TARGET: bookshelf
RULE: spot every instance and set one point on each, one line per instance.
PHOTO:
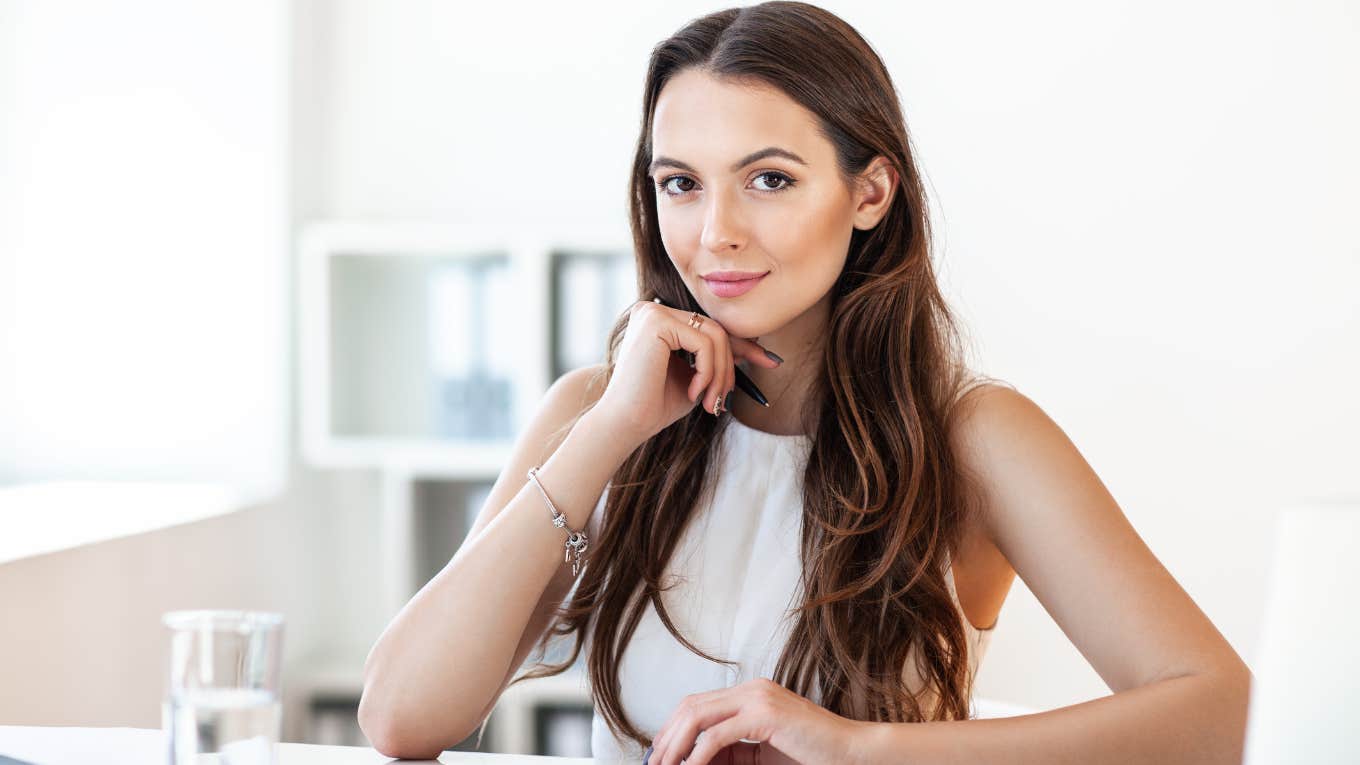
(423, 350)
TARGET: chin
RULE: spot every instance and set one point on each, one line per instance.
(743, 321)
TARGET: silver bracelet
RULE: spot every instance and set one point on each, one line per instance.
(576, 540)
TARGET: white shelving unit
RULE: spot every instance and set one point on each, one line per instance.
(393, 316)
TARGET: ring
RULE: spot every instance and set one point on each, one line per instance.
(695, 320)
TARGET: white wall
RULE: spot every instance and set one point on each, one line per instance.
(1143, 214)
(143, 238)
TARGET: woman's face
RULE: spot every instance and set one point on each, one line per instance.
(747, 183)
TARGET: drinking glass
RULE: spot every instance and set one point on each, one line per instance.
(222, 699)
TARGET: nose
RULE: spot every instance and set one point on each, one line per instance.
(723, 227)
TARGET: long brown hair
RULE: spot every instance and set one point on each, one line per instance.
(884, 500)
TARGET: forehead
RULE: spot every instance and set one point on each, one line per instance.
(699, 118)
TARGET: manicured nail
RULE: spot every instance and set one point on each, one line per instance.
(774, 356)
(647, 756)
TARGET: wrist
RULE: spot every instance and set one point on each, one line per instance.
(866, 742)
(616, 438)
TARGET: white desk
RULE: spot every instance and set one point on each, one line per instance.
(57, 745)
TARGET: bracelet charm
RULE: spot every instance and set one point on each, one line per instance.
(576, 540)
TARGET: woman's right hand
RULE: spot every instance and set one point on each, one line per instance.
(652, 386)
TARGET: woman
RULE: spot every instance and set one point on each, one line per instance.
(817, 573)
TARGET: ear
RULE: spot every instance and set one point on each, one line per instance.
(876, 186)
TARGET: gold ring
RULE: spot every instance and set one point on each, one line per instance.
(695, 320)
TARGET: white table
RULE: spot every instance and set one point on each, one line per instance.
(56, 745)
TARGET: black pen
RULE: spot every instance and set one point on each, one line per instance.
(749, 388)
(744, 383)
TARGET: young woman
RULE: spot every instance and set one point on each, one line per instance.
(819, 575)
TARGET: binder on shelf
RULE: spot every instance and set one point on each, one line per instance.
(422, 345)
(590, 291)
(471, 349)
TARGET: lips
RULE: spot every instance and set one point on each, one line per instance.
(731, 276)
(727, 284)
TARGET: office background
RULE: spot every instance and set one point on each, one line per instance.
(1144, 212)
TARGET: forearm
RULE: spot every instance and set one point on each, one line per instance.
(1195, 719)
(442, 658)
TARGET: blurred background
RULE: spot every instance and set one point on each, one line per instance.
(280, 280)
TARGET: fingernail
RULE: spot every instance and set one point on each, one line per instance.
(774, 356)
(647, 756)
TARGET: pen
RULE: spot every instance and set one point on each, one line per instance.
(744, 383)
(749, 388)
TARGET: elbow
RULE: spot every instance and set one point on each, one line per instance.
(396, 735)
(377, 726)
(400, 751)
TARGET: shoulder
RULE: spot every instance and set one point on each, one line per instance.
(987, 412)
(577, 389)
(997, 429)
(1017, 455)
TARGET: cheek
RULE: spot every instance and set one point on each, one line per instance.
(812, 245)
(677, 240)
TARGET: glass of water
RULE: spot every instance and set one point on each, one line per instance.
(222, 700)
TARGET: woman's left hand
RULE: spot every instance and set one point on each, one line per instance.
(757, 710)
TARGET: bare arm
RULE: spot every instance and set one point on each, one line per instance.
(442, 663)
(1180, 689)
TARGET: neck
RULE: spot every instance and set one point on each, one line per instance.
(786, 387)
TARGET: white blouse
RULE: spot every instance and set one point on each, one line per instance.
(739, 567)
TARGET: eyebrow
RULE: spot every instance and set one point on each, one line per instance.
(755, 156)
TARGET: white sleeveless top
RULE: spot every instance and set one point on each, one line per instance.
(738, 560)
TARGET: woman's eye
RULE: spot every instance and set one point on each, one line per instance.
(665, 185)
(780, 178)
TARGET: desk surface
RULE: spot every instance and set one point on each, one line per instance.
(56, 745)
